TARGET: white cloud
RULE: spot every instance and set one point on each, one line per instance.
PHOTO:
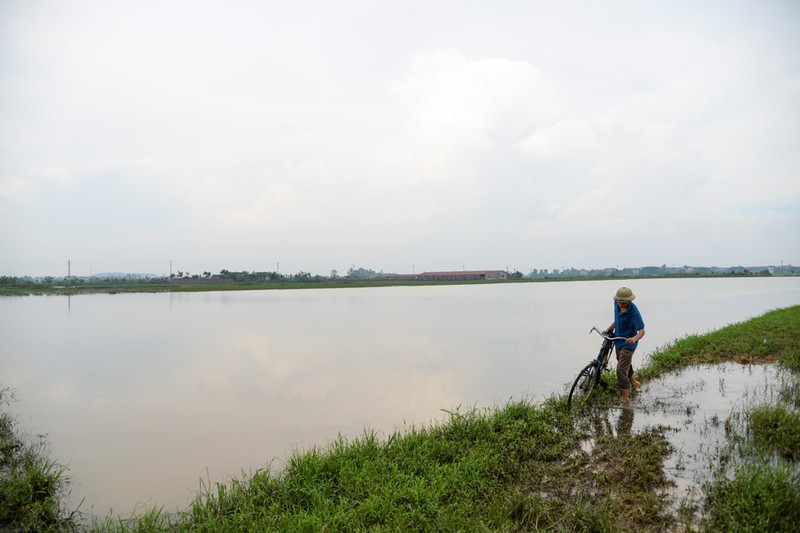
(567, 138)
(453, 103)
(16, 187)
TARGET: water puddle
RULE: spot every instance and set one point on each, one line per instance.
(695, 405)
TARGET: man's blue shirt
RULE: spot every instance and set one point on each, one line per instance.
(626, 324)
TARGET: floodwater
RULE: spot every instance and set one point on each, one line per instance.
(693, 405)
(144, 395)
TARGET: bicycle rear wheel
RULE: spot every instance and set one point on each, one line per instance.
(584, 384)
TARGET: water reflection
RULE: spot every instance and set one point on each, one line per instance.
(144, 394)
(625, 423)
(694, 404)
(608, 424)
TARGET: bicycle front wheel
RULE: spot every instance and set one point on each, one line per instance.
(584, 384)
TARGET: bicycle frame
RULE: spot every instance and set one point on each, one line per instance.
(605, 348)
(589, 376)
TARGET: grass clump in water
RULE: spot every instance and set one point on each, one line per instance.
(31, 485)
(760, 497)
(776, 429)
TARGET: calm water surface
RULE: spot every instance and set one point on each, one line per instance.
(142, 395)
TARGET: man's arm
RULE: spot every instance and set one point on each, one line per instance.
(635, 338)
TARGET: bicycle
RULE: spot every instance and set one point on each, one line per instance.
(589, 377)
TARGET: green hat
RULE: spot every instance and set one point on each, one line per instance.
(624, 294)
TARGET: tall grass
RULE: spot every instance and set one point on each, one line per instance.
(31, 485)
(453, 476)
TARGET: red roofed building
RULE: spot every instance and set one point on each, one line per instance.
(461, 275)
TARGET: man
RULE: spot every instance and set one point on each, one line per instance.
(627, 323)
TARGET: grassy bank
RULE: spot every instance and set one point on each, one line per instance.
(526, 467)
(772, 337)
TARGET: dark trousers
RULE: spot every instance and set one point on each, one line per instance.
(624, 367)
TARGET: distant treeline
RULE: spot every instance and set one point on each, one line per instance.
(26, 281)
(226, 277)
(666, 271)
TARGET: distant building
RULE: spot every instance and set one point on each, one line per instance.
(213, 280)
(463, 275)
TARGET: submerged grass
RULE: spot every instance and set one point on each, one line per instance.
(525, 467)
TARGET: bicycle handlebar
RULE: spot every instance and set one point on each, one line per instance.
(606, 335)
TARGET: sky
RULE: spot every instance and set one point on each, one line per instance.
(398, 136)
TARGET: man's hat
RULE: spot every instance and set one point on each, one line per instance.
(624, 294)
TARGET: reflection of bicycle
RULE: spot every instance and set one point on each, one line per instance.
(589, 377)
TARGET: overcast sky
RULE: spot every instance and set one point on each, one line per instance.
(397, 135)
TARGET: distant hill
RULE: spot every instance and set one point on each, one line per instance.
(121, 275)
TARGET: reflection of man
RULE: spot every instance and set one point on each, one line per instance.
(624, 423)
(627, 323)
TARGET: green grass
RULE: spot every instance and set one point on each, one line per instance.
(443, 477)
(31, 485)
(760, 497)
(772, 337)
(776, 428)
